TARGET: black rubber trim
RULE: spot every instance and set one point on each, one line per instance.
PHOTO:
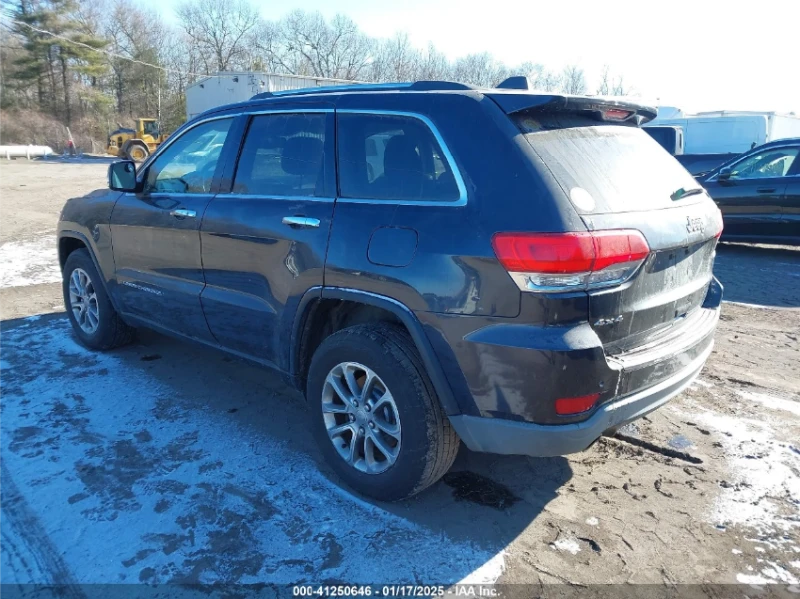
(403, 313)
(81, 237)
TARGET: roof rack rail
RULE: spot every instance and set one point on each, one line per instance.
(366, 87)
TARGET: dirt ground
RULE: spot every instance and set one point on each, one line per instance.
(165, 462)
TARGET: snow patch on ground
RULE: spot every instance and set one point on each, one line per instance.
(703, 383)
(131, 481)
(567, 544)
(592, 521)
(771, 573)
(764, 490)
(755, 579)
(761, 307)
(772, 402)
(32, 262)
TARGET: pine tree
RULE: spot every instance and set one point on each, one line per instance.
(52, 63)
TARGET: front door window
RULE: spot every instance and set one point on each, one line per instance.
(189, 163)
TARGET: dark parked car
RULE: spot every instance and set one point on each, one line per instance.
(758, 193)
(430, 263)
(702, 164)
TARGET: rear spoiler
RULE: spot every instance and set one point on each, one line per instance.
(602, 108)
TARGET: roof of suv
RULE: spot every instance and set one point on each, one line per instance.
(512, 95)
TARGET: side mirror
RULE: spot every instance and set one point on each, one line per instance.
(725, 173)
(122, 175)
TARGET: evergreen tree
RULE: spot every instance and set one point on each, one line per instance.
(55, 64)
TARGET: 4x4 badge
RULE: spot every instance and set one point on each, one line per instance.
(607, 321)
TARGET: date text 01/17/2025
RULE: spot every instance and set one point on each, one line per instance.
(393, 590)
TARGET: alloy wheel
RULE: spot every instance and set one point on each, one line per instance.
(83, 301)
(361, 417)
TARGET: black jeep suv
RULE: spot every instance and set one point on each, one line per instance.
(430, 263)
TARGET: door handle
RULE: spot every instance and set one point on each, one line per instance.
(766, 190)
(183, 213)
(300, 221)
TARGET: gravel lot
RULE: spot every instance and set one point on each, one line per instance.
(165, 462)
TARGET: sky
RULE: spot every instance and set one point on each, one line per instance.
(697, 55)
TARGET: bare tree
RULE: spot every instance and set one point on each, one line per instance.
(395, 60)
(620, 89)
(219, 29)
(573, 80)
(479, 69)
(541, 78)
(612, 86)
(604, 87)
(265, 50)
(433, 65)
(314, 47)
(136, 62)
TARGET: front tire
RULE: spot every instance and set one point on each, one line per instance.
(94, 320)
(376, 416)
(138, 152)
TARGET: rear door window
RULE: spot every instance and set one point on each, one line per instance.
(621, 168)
(283, 155)
(392, 158)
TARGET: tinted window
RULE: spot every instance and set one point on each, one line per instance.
(282, 156)
(770, 163)
(392, 158)
(188, 164)
(621, 167)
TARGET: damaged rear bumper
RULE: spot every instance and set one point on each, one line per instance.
(494, 435)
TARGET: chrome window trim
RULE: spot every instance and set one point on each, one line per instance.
(447, 155)
(462, 188)
(362, 87)
(264, 196)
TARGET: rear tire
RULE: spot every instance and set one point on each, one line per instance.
(425, 444)
(94, 320)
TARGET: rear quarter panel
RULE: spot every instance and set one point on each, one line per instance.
(453, 269)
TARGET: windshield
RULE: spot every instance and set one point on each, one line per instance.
(613, 168)
(151, 128)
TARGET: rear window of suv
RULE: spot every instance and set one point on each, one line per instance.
(387, 157)
(619, 168)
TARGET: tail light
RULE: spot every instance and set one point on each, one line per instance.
(615, 114)
(553, 262)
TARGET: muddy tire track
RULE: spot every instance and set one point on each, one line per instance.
(27, 544)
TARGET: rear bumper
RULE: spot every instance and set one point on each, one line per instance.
(494, 435)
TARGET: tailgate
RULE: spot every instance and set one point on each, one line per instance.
(670, 285)
(616, 177)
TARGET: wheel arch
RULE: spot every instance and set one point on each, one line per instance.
(299, 356)
(70, 241)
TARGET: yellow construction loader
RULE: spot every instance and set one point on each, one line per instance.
(136, 144)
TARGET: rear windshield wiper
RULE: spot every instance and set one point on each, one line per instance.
(685, 193)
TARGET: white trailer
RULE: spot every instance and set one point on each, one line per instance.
(229, 87)
(725, 131)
